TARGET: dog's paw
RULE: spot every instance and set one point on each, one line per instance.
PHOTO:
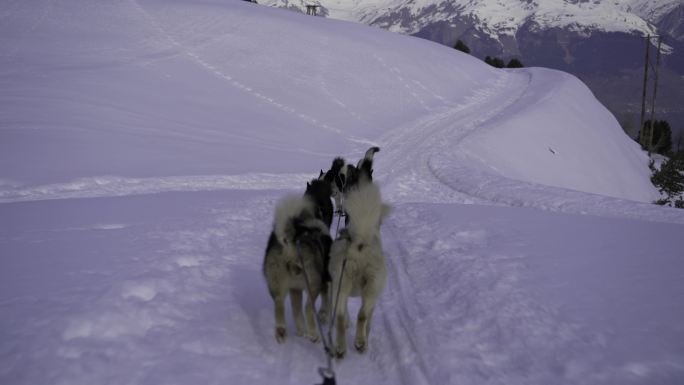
(339, 354)
(315, 338)
(361, 346)
(280, 334)
(300, 331)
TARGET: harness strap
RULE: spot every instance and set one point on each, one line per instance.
(328, 373)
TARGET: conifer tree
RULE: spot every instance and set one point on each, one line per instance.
(670, 181)
(662, 136)
(494, 62)
(462, 47)
(515, 63)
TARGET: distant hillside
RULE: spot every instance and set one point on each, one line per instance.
(598, 41)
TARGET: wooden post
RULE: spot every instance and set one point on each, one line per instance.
(311, 9)
(642, 134)
(653, 104)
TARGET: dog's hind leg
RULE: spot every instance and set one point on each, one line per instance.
(342, 319)
(347, 320)
(368, 323)
(363, 323)
(296, 302)
(313, 334)
(324, 312)
(280, 330)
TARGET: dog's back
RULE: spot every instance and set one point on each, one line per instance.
(365, 209)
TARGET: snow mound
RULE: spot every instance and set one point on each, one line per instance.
(558, 134)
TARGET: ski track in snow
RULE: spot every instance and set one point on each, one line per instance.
(112, 186)
(189, 294)
(473, 285)
(198, 60)
(397, 75)
(410, 178)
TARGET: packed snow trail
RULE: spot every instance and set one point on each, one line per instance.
(141, 162)
(168, 288)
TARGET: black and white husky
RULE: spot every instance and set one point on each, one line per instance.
(296, 223)
(364, 272)
(345, 177)
(319, 191)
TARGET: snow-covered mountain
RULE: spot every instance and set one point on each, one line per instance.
(653, 11)
(499, 18)
(144, 143)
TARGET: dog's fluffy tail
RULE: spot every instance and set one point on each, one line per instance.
(365, 165)
(365, 171)
(370, 152)
(366, 211)
(287, 210)
(368, 157)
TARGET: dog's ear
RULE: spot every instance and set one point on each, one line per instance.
(337, 165)
(321, 174)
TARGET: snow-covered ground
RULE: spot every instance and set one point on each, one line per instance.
(143, 145)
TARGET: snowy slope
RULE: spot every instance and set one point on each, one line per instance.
(229, 91)
(143, 145)
(307, 109)
(557, 122)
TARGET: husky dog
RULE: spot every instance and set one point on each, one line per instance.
(364, 273)
(344, 177)
(350, 174)
(332, 177)
(296, 223)
(319, 191)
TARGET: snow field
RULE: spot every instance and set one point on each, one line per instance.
(144, 144)
(168, 288)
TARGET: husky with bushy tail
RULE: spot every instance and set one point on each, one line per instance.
(345, 177)
(364, 272)
(295, 223)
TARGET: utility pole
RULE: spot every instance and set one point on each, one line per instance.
(646, 139)
(642, 137)
(655, 89)
(311, 9)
